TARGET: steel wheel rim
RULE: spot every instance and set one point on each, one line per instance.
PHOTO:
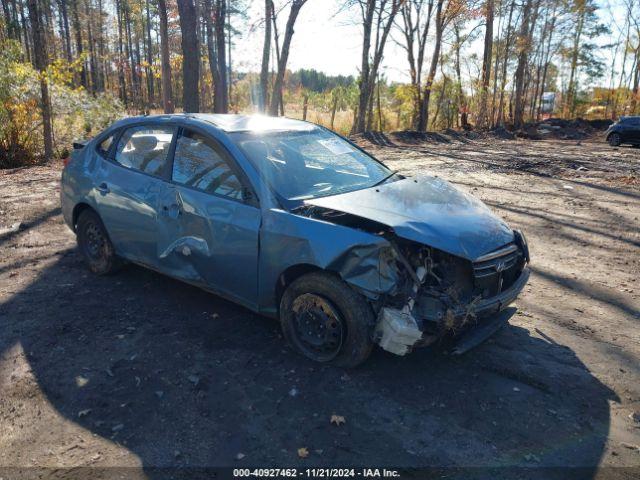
(94, 241)
(318, 328)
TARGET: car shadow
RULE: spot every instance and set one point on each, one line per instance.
(184, 379)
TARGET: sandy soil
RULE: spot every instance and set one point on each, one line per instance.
(139, 371)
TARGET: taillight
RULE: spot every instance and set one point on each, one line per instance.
(66, 160)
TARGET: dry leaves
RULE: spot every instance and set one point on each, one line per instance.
(337, 419)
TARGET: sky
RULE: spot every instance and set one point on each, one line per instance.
(323, 40)
(330, 40)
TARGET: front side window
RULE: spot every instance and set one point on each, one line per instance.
(198, 164)
(307, 164)
(105, 145)
(145, 148)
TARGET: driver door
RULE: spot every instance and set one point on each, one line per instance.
(209, 223)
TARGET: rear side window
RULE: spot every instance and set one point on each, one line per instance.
(105, 145)
(198, 164)
(145, 148)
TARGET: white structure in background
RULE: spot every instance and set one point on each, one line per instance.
(548, 102)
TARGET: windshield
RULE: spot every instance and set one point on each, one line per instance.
(309, 164)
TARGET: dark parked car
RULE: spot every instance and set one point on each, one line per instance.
(295, 222)
(625, 130)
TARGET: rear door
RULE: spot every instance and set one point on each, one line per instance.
(210, 221)
(128, 188)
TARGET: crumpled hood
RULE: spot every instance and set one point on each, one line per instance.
(427, 210)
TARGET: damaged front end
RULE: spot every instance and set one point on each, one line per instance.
(435, 294)
(445, 296)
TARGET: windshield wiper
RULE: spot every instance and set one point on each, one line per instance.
(385, 178)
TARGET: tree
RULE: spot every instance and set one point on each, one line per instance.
(415, 30)
(190, 56)
(446, 10)
(266, 50)
(523, 45)
(221, 98)
(378, 15)
(167, 94)
(41, 62)
(276, 97)
(486, 63)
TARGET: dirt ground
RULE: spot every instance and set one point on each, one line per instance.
(145, 373)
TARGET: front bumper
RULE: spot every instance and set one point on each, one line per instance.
(501, 301)
(398, 331)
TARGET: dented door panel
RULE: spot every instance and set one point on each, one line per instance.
(128, 203)
(210, 240)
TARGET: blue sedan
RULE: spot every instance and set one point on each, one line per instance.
(297, 223)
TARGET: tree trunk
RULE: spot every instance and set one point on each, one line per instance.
(334, 107)
(363, 98)
(266, 51)
(211, 45)
(41, 61)
(636, 81)
(505, 63)
(305, 106)
(93, 62)
(122, 82)
(79, 49)
(486, 64)
(569, 104)
(190, 54)
(62, 9)
(167, 94)
(276, 97)
(423, 119)
(220, 97)
(523, 45)
(149, 68)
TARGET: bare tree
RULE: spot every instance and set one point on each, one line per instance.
(378, 15)
(523, 47)
(266, 50)
(276, 97)
(415, 30)
(486, 63)
(446, 10)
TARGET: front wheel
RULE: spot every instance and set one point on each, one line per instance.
(614, 139)
(325, 320)
(95, 246)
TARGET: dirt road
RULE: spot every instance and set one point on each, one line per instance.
(138, 370)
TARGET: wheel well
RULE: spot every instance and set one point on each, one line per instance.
(77, 210)
(290, 275)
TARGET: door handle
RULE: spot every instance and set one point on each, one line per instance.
(103, 188)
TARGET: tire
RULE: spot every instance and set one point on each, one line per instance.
(317, 301)
(614, 140)
(95, 246)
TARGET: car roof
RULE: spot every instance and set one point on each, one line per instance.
(237, 123)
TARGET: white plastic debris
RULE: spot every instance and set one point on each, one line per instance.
(397, 331)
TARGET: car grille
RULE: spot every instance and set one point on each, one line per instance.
(497, 271)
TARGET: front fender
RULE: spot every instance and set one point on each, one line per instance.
(362, 259)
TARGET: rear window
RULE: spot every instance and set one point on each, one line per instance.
(145, 148)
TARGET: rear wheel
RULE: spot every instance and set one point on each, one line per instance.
(614, 139)
(327, 321)
(97, 250)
